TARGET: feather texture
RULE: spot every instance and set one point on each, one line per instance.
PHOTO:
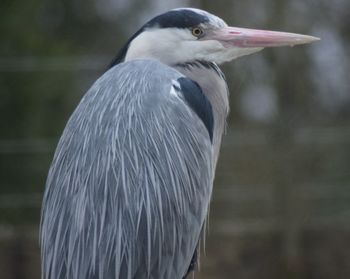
(129, 187)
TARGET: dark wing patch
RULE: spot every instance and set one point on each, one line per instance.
(198, 102)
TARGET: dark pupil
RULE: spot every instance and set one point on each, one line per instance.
(197, 31)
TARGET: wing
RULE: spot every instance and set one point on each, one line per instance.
(130, 183)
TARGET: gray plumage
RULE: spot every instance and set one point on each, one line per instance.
(128, 191)
(130, 184)
(213, 83)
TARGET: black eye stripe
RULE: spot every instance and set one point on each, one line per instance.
(178, 19)
(172, 19)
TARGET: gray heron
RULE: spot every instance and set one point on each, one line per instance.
(129, 187)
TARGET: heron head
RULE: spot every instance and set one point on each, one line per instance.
(186, 34)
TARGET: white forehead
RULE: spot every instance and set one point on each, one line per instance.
(213, 19)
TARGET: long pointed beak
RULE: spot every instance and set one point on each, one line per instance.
(251, 38)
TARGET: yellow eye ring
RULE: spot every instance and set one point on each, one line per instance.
(197, 32)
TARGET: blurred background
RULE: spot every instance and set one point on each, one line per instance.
(281, 204)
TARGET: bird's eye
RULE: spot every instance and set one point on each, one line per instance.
(197, 32)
